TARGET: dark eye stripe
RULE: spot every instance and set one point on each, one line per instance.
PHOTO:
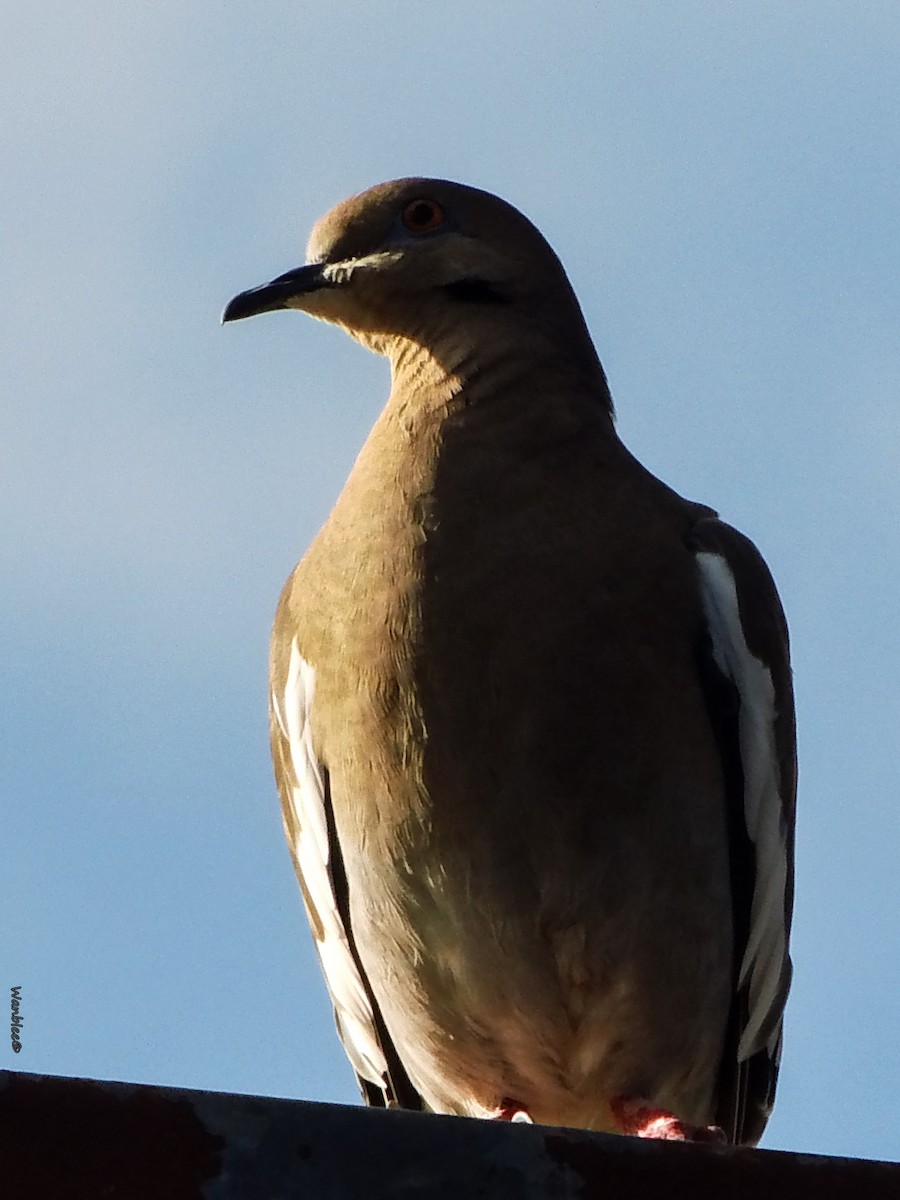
(474, 291)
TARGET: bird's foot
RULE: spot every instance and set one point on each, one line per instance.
(640, 1119)
(512, 1110)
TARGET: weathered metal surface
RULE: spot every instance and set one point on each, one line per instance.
(79, 1139)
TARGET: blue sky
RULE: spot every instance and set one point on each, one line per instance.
(721, 181)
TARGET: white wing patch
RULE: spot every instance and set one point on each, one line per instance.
(763, 962)
(305, 793)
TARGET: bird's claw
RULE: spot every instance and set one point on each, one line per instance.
(512, 1110)
(639, 1119)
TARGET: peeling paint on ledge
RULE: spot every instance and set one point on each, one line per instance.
(77, 1139)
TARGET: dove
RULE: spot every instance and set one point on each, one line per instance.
(531, 712)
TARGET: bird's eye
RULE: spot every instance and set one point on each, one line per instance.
(421, 216)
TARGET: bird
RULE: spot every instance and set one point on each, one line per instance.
(531, 712)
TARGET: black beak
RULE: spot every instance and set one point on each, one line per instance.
(277, 294)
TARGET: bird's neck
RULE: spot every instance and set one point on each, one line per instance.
(496, 385)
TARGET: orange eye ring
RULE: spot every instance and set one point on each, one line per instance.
(422, 215)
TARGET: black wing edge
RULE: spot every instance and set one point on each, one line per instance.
(746, 1090)
(396, 1090)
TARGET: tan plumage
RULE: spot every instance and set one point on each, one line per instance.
(532, 718)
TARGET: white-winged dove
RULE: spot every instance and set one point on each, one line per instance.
(531, 712)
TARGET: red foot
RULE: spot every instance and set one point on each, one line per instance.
(642, 1120)
(511, 1110)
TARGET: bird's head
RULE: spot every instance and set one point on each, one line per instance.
(433, 263)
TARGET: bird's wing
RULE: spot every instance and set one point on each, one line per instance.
(747, 669)
(312, 837)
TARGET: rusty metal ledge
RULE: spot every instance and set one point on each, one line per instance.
(81, 1138)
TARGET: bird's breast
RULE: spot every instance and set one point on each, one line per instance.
(525, 784)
